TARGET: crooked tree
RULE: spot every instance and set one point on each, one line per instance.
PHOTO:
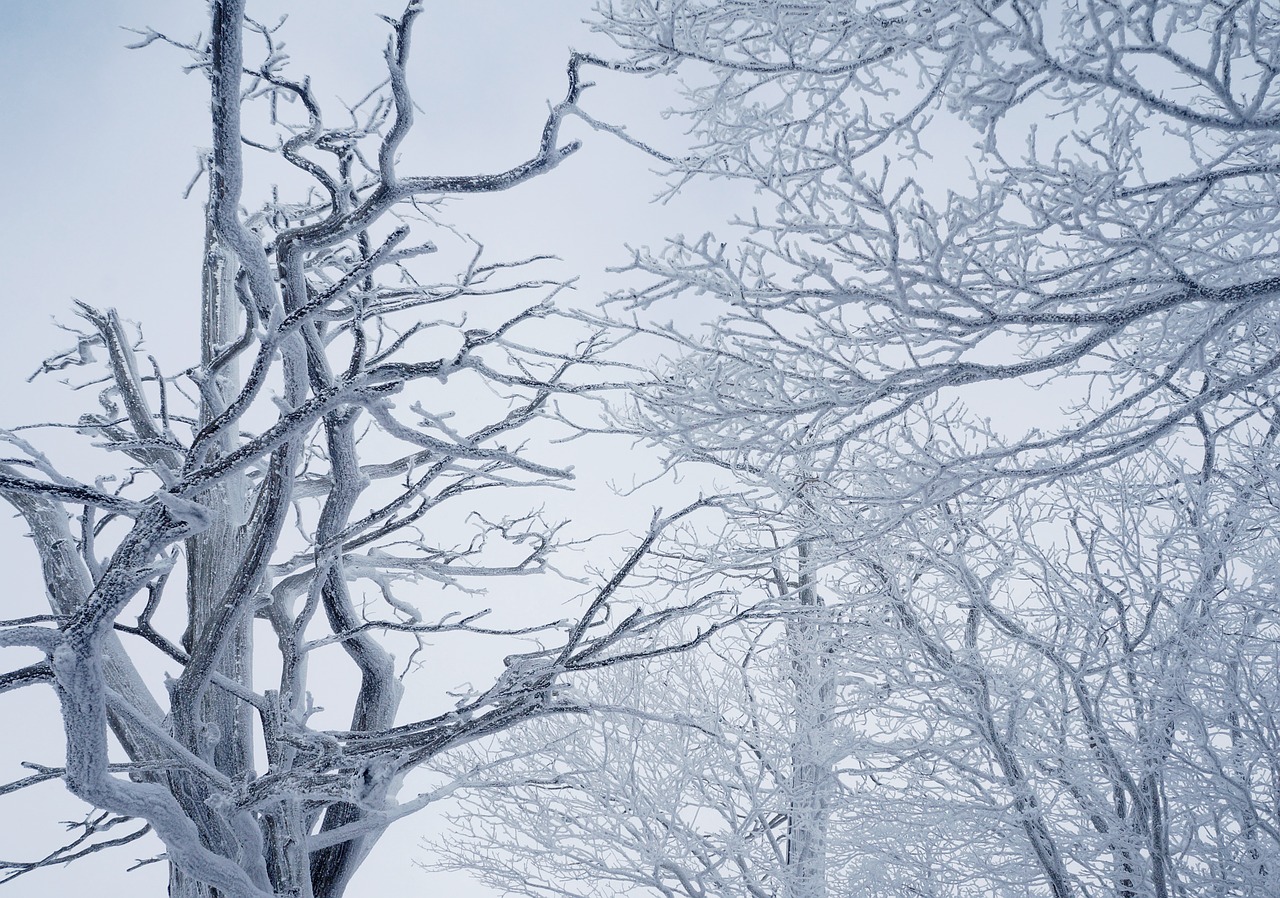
(333, 465)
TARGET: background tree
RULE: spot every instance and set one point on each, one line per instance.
(707, 773)
(342, 438)
(1110, 245)
(1072, 609)
(1067, 692)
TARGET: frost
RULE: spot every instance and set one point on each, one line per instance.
(197, 517)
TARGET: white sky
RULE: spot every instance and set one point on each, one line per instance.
(99, 144)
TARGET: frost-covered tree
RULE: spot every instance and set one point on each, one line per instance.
(997, 342)
(696, 774)
(1096, 663)
(1069, 692)
(333, 480)
(962, 200)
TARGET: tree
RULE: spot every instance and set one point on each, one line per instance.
(1076, 601)
(1071, 693)
(1101, 675)
(1111, 247)
(1114, 229)
(696, 774)
(351, 430)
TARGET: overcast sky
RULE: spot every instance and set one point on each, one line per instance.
(100, 142)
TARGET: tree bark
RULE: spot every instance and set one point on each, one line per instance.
(809, 789)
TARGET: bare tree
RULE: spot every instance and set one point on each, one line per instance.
(1107, 240)
(1067, 692)
(708, 773)
(1103, 640)
(1110, 250)
(1077, 615)
(347, 449)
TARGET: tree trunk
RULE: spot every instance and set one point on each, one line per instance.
(811, 774)
(223, 731)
